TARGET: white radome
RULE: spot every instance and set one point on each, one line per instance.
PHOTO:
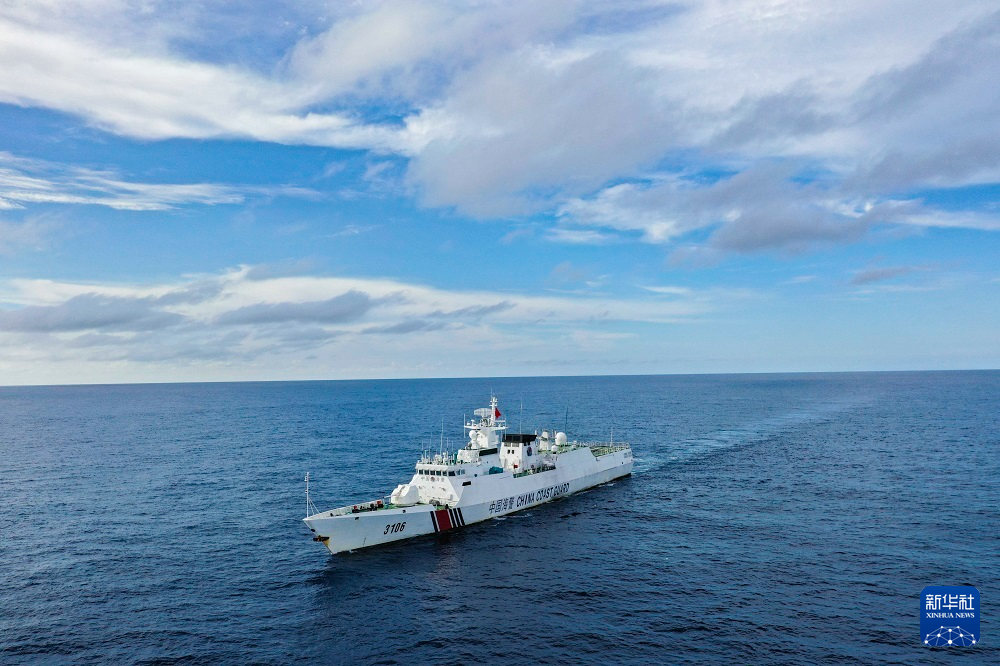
(495, 474)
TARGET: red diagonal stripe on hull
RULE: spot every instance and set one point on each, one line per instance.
(444, 521)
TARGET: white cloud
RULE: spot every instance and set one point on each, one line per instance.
(954, 220)
(548, 126)
(800, 279)
(763, 80)
(631, 207)
(760, 208)
(668, 290)
(877, 274)
(504, 109)
(32, 234)
(24, 181)
(579, 236)
(236, 318)
(360, 51)
(352, 230)
(160, 97)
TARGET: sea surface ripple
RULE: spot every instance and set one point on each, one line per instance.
(771, 519)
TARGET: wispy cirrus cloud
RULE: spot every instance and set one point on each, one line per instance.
(576, 236)
(800, 279)
(33, 233)
(873, 275)
(29, 181)
(668, 290)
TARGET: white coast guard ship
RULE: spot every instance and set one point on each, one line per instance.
(495, 474)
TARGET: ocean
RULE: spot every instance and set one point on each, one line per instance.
(770, 519)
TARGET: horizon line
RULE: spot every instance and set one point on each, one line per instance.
(499, 377)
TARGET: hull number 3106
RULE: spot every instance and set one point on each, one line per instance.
(398, 527)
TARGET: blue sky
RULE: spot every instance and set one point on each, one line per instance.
(287, 190)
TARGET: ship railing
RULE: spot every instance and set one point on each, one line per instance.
(534, 470)
(604, 448)
(448, 458)
(361, 507)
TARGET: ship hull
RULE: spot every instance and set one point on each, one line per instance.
(484, 497)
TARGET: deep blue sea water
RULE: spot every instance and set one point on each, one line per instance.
(771, 519)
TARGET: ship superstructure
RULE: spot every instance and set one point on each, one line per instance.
(496, 473)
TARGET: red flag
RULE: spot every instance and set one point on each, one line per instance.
(496, 413)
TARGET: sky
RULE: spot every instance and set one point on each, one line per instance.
(282, 190)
